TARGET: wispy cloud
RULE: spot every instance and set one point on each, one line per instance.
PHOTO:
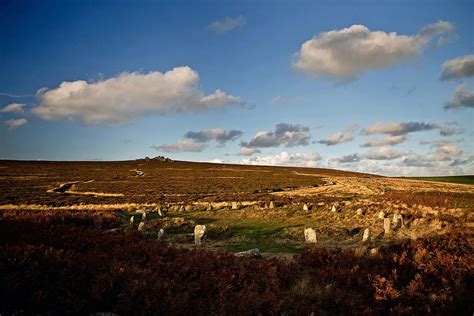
(13, 107)
(14, 123)
(397, 129)
(227, 24)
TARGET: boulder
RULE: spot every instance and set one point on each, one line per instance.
(199, 234)
(250, 253)
(310, 235)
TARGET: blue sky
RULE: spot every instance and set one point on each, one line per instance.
(140, 75)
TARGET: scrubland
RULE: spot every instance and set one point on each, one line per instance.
(67, 245)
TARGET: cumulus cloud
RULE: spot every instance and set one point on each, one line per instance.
(227, 24)
(337, 138)
(418, 161)
(14, 123)
(462, 162)
(182, 145)
(289, 135)
(220, 135)
(458, 68)
(386, 141)
(121, 99)
(446, 151)
(13, 107)
(285, 159)
(398, 129)
(246, 151)
(383, 153)
(198, 141)
(346, 159)
(350, 51)
(462, 97)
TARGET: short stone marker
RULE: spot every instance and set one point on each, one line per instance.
(359, 211)
(234, 205)
(366, 235)
(188, 208)
(131, 220)
(161, 232)
(305, 207)
(141, 226)
(310, 236)
(334, 209)
(272, 205)
(381, 215)
(181, 209)
(199, 233)
(387, 225)
(209, 207)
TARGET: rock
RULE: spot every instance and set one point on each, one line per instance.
(381, 215)
(272, 205)
(234, 205)
(305, 207)
(321, 204)
(334, 209)
(209, 207)
(359, 211)
(161, 233)
(310, 236)
(387, 226)
(132, 219)
(141, 226)
(188, 208)
(199, 233)
(143, 216)
(251, 253)
(366, 236)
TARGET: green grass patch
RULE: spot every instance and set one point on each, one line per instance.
(456, 179)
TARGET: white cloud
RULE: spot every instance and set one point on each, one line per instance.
(122, 99)
(384, 153)
(228, 24)
(397, 129)
(220, 135)
(350, 51)
(446, 151)
(386, 141)
(13, 107)
(462, 97)
(14, 123)
(246, 151)
(285, 159)
(458, 68)
(182, 145)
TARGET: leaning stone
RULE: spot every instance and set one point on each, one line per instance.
(387, 226)
(360, 212)
(141, 226)
(272, 205)
(234, 205)
(199, 233)
(381, 215)
(366, 236)
(305, 207)
(161, 232)
(251, 253)
(310, 236)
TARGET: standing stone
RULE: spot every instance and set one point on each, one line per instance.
(333, 209)
(159, 212)
(397, 220)
(272, 205)
(209, 207)
(265, 205)
(360, 212)
(234, 205)
(143, 216)
(305, 207)
(366, 235)
(181, 209)
(199, 232)
(141, 226)
(387, 226)
(131, 220)
(310, 236)
(381, 215)
(161, 232)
